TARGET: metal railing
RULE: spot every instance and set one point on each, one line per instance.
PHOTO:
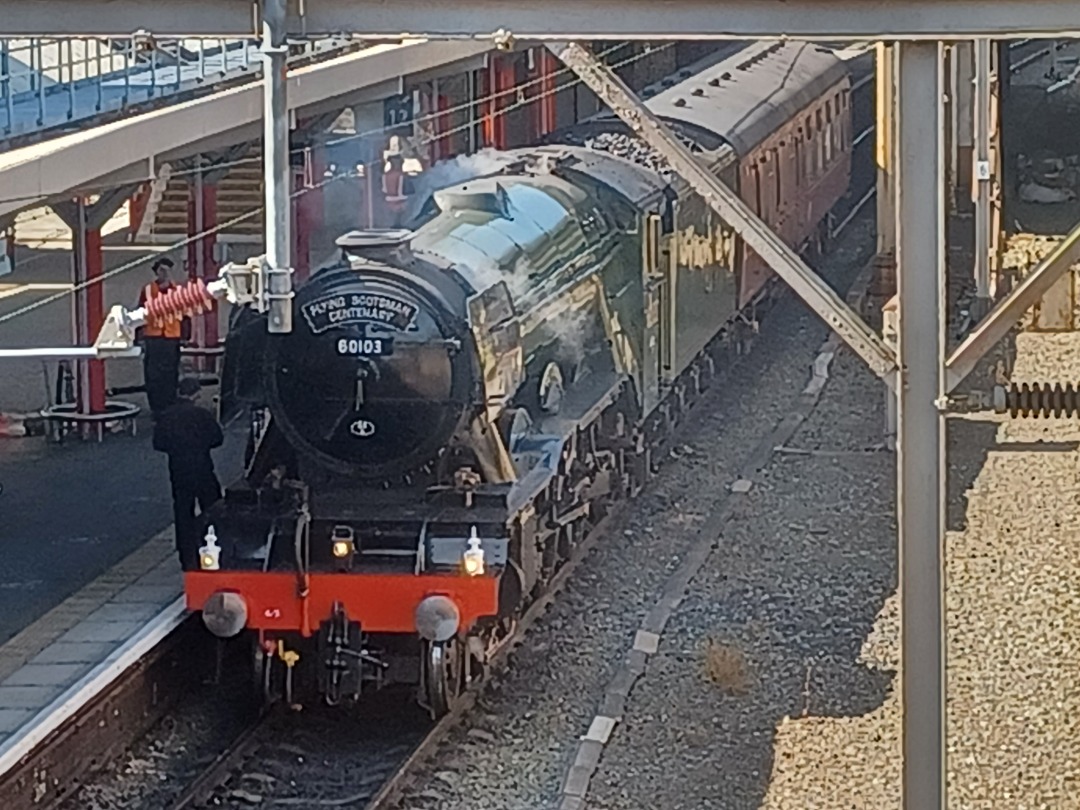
(51, 83)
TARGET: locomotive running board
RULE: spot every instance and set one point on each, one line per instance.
(821, 298)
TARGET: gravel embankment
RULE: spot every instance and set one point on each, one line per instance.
(1013, 578)
(770, 636)
(774, 686)
(813, 719)
(514, 753)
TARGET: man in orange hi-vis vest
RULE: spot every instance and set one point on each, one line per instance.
(161, 345)
(393, 185)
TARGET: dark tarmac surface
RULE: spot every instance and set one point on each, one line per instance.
(69, 512)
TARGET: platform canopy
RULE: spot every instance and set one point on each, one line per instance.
(557, 19)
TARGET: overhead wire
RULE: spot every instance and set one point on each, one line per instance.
(293, 195)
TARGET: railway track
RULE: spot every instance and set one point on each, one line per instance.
(363, 759)
(383, 740)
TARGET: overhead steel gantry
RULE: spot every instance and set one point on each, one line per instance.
(555, 19)
(918, 370)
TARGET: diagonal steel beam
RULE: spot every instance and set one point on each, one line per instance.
(782, 259)
(98, 214)
(1008, 311)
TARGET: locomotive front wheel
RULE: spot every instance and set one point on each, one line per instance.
(443, 675)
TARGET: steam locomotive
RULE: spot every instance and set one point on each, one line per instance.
(460, 403)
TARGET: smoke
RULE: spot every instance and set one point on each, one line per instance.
(575, 332)
(447, 173)
(345, 199)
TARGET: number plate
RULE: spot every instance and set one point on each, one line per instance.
(365, 347)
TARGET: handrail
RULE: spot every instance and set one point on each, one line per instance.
(122, 72)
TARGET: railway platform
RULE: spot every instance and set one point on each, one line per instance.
(80, 604)
(89, 574)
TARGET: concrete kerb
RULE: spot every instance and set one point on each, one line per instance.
(38, 635)
(647, 638)
(38, 728)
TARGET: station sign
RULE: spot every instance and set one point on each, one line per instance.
(398, 110)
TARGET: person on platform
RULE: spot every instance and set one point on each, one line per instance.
(187, 433)
(393, 184)
(161, 341)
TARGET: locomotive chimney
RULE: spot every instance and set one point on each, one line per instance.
(377, 244)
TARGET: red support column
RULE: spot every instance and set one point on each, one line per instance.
(88, 265)
(302, 218)
(208, 261)
(372, 182)
(549, 67)
(498, 80)
(95, 310)
(316, 171)
(542, 89)
(137, 207)
(194, 217)
(200, 261)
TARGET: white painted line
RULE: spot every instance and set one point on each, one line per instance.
(821, 372)
(646, 642)
(32, 733)
(741, 486)
(601, 728)
(16, 289)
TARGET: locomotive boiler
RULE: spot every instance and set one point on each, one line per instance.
(459, 403)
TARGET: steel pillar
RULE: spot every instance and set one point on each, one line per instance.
(885, 133)
(963, 125)
(276, 180)
(818, 295)
(921, 446)
(981, 175)
(999, 77)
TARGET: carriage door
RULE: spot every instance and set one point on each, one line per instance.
(656, 336)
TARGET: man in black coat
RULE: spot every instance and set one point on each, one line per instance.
(187, 433)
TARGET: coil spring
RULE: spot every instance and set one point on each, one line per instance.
(182, 301)
(1042, 399)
